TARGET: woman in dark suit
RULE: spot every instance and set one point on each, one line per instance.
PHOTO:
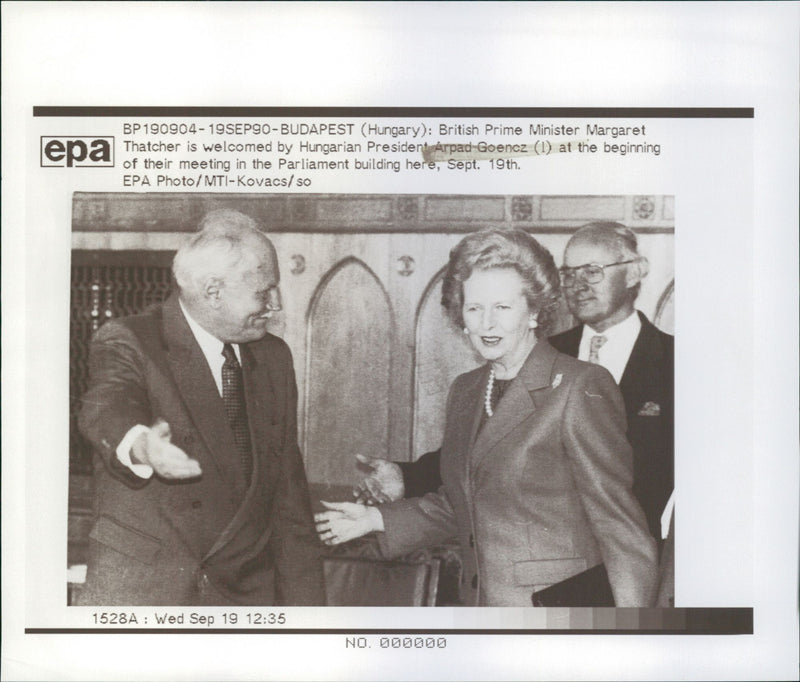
(535, 465)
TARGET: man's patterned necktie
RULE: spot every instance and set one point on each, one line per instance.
(595, 345)
(236, 408)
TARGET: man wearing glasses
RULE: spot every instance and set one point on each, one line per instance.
(600, 278)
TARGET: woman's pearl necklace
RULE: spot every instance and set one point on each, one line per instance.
(487, 401)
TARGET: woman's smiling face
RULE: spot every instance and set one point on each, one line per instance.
(497, 316)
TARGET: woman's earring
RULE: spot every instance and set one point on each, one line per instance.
(533, 323)
(466, 331)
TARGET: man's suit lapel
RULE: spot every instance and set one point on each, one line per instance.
(196, 385)
(516, 404)
(466, 414)
(264, 419)
(637, 377)
(262, 406)
(205, 407)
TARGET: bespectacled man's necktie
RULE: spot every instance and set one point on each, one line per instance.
(236, 408)
(595, 345)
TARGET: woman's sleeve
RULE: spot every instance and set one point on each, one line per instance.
(421, 521)
(601, 460)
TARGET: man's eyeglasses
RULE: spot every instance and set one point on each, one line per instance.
(591, 273)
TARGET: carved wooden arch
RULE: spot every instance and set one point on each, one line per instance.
(348, 364)
(441, 353)
(664, 318)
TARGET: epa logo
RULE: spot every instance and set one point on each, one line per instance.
(76, 152)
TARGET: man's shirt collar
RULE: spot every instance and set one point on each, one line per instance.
(615, 352)
(210, 345)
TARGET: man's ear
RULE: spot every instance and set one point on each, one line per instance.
(212, 291)
(637, 272)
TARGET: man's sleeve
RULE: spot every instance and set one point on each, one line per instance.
(299, 567)
(422, 476)
(411, 524)
(116, 400)
(601, 461)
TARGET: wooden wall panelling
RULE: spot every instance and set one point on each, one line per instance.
(350, 331)
(351, 213)
(442, 353)
(404, 241)
(415, 260)
(664, 317)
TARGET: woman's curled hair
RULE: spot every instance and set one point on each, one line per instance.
(503, 248)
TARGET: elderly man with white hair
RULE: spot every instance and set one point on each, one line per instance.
(200, 493)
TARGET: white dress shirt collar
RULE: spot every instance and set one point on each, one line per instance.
(616, 351)
(211, 347)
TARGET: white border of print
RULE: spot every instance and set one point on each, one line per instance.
(448, 54)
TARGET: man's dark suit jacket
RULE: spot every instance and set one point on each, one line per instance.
(213, 540)
(647, 387)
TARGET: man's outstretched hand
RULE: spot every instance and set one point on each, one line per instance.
(383, 482)
(167, 460)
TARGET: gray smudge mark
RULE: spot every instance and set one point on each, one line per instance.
(471, 151)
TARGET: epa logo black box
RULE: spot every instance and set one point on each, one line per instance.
(76, 152)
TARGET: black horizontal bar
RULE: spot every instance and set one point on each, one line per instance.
(728, 624)
(323, 631)
(402, 112)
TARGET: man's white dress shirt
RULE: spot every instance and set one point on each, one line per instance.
(615, 352)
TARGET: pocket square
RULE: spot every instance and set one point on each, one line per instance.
(650, 409)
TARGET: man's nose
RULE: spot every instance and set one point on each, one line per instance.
(274, 303)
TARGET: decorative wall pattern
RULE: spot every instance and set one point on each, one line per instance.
(163, 212)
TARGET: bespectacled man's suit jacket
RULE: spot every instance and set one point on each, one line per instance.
(647, 387)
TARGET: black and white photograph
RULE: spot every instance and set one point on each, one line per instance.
(384, 303)
(400, 341)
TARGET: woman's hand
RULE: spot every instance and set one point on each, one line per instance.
(346, 521)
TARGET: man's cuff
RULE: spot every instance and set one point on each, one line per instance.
(124, 452)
